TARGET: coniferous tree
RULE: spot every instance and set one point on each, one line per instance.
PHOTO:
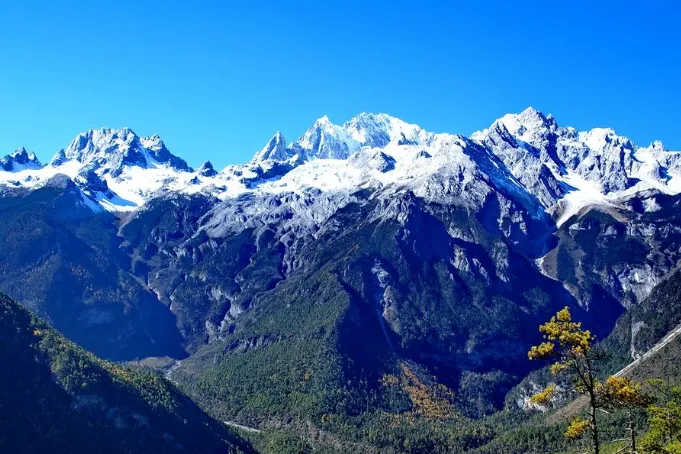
(621, 393)
(573, 354)
(664, 421)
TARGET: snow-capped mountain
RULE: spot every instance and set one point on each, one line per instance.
(275, 150)
(582, 168)
(112, 150)
(19, 160)
(325, 140)
(445, 248)
(117, 169)
(527, 155)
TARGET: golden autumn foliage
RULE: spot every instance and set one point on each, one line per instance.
(563, 335)
(569, 345)
(541, 351)
(544, 397)
(664, 420)
(390, 380)
(577, 427)
(570, 348)
(621, 392)
(428, 401)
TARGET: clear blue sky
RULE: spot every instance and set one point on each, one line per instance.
(217, 78)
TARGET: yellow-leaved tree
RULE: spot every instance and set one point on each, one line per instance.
(621, 393)
(571, 349)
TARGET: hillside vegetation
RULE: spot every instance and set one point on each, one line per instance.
(56, 397)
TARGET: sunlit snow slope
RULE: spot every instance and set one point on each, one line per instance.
(560, 170)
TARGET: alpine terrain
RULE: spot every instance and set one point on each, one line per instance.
(370, 285)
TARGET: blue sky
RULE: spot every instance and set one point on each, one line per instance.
(216, 79)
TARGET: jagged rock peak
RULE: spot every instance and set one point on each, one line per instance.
(326, 140)
(657, 145)
(207, 170)
(116, 148)
(22, 154)
(274, 150)
(529, 123)
(105, 140)
(378, 130)
(20, 159)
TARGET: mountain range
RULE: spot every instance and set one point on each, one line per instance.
(287, 291)
(526, 155)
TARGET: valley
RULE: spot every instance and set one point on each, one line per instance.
(369, 286)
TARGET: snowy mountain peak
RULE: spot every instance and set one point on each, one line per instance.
(274, 150)
(325, 140)
(96, 143)
(207, 170)
(19, 160)
(657, 146)
(152, 143)
(532, 114)
(23, 156)
(500, 129)
(21, 151)
(526, 156)
(529, 125)
(598, 139)
(378, 130)
(110, 150)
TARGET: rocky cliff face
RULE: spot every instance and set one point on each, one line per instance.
(438, 250)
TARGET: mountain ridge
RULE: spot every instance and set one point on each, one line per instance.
(417, 255)
(57, 397)
(551, 163)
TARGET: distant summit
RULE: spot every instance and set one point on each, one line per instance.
(19, 160)
(527, 154)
